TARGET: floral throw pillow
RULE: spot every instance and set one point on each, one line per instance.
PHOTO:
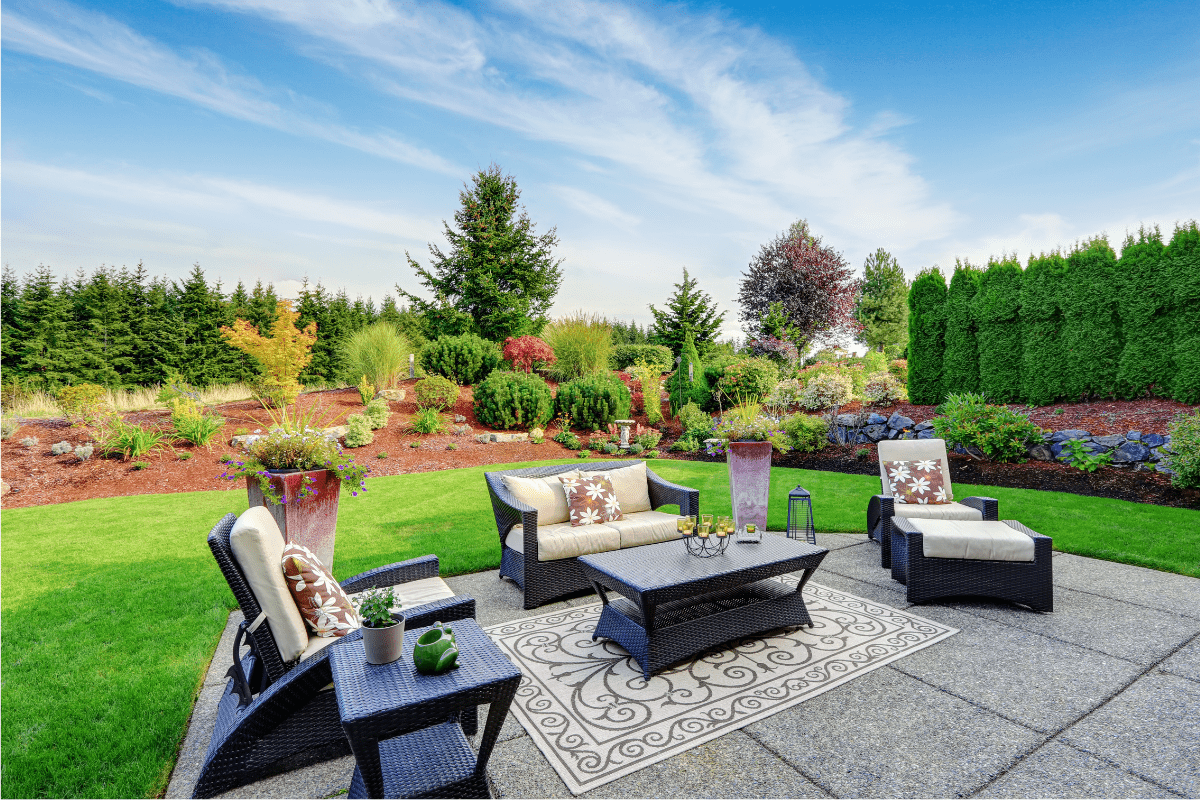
(591, 500)
(918, 482)
(321, 600)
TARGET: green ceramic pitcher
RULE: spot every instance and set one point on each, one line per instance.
(436, 650)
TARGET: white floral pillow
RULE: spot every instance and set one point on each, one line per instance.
(918, 482)
(591, 500)
(323, 603)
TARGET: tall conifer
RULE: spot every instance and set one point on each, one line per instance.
(1092, 329)
(1183, 256)
(1043, 364)
(997, 309)
(960, 366)
(926, 336)
(1147, 362)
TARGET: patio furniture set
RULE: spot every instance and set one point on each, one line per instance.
(296, 698)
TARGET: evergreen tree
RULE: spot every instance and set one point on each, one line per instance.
(688, 310)
(10, 305)
(205, 358)
(498, 277)
(1043, 358)
(997, 312)
(107, 345)
(689, 384)
(926, 337)
(960, 365)
(157, 327)
(628, 333)
(882, 307)
(1091, 329)
(314, 305)
(261, 311)
(1147, 362)
(43, 324)
(1183, 258)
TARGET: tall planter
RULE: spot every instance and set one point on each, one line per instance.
(311, 521)
(750, 482)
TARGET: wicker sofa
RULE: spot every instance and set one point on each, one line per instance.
(540, 548)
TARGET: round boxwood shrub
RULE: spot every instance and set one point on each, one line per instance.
(513, 400)
(465, 359)
(749, 378)
(593, 402)
(436, 392)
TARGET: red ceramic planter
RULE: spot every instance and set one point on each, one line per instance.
(311, 521)
(750, 482)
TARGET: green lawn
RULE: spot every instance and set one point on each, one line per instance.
(112, 608)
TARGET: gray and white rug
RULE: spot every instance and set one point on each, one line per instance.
(595, 718)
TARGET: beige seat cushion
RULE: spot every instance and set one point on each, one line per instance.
(258, 545)
(631, 486)
(982, 541)
(545, 494)
(938, 511)
(567, 541)
(912, 450)
(648, 527)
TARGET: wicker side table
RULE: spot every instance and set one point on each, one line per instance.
(402, 726)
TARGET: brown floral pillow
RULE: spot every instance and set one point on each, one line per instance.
(321, 600)
(918, 482)
(591, 500)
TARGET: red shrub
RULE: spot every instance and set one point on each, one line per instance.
(524, 351)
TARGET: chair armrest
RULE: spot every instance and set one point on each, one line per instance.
(988, 506)
(401, 572)
(448, 609)
(510, 511)
(665, 493)
(880, 507)
(1043, 546)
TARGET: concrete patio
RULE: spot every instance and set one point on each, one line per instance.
(1099, 699)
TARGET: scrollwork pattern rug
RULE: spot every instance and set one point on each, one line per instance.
(595, 718)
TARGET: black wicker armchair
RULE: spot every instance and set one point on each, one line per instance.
(275, 716)
(543, 581)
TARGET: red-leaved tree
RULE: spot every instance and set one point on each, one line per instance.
(523, 351)
(812, 282)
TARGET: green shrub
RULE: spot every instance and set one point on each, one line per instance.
(874, 361)
(649, 439)
(650, 377)
(377, 413)
(650, 454)
(960, 364)
(465, 359)
(507, 400)
(1147, 359)
(884, 389)
(568, 440)
(807, 433)
(694, 420)
(584, 454)
(635, 449)
(8, 427)
(749, 378)
(82, 404)
(581, 344)
(827, 390)
(996, 309)
(117, 437)
(683, 390)
(1076, 453)
(1091, 328)
(1183, 457)
(610, 448)
(193, 425)
(1001, 434)
(84, 453)
(686, 444)
(139, 465)
(1042, 357)
(436, 392)
(715, 366)
(899, 368)
(378, 354)
(623, 356)
(358, 431)
(382, 454)
(926, 336)
(366, 390)
(427, 420)
(595, 401)
(174, 387)
(1183, 257)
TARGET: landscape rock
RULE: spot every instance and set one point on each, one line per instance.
(1062, 436)
(876, 419)
(1041, 452)
(487, 438)
(392, 395)
(1164, 470)
(923, 426)
(337, 432)
(1134, 436)
(974, 451)
(1156, 455)
(245, 440)
(898, 421)
(893, 433)
(462, 430)
(1056, 449)
(1109, 442)
(1131, 451)
(874, 432)
(909, 435)
(1153, 440)
(459, 418)
(925, 434)
(847, 419)
(4, 488)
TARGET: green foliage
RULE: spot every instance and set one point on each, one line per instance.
(382, 454)
(695, 420)
(899, 368)
(686, 444)
(83, 403)
(1147, 360)
(682, 390)
(595, 401)
(650, 454)
(806, 433)
(283, 355)
(636, 449)
(358, 431)
(377, 413)
(883, 389)
(650, 377)
(567, 440)
(378, 353)
(926, 336)
(1183, 258)
(375, 607)
(688, 311)
(1043, 359)
(827, 389)
(996, 309)
(437, 392)
(466, 359)
(1184, 456)
(194, 425)
(1091, 327)
(8, 427)
(1001, 434)
(498, 278)
(117, 437)
(366, 390)
(140, 465)
(427, 420)
(649, 439)
(508, 400)
(581, 343)
(623, 356)
(750, 377)
(960, 365)
(610, 448)
(1077, 454)
(882, 306)
(584, 454)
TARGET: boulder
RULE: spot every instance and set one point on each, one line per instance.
(876, 419)
(1164, 470)
(1131, 451)
(1156, 454)
(245, 440)
(847, 419)
(461, 430)
(974, 451)
(391, 395)
(894, 433)
(1144, 467)
(1062, 436)
(862, 438)
(909, 435)
(1153, 440)
(337, 432)
(1041, 452)
(1109, 442)
(4, 488)
(874, 432)
(898, 421)
(459, 418)
(925, 434)
(501, 438)
(1134, 436)
(923, 426)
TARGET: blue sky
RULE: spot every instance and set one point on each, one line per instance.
(281, 139)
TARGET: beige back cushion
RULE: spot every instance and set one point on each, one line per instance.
(258, 545)
(631, 486)
(909, 450)
(545, 494)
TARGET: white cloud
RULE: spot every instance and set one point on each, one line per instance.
(593, 206)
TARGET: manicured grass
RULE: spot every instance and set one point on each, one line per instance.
(112, 608)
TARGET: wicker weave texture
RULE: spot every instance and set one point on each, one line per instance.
(881, 510)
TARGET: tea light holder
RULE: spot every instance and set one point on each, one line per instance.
(706, 546)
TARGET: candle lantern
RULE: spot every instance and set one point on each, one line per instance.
(800, 517)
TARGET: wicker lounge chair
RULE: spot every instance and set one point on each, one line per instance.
(883, 507)
(274, 715)
(543, 581)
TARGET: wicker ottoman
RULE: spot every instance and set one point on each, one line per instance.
(973, 560)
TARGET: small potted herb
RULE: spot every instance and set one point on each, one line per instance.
(383, 629)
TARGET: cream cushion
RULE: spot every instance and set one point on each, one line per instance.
(938, 511)
(544, 494)
(648, 527)
(631, 486)
(913, 450)
(982, 541)
(258, 545)
(567, 541)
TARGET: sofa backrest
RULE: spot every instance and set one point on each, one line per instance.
(912, 450)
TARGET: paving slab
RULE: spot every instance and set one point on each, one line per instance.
(1148, 587)
(871, 591)
(860, 563)
(889, 735)
(1186, 661)
(1057, 770)
(1152, 729)
(836, 541)
(327, 779)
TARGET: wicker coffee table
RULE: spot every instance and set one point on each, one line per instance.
(674, 605)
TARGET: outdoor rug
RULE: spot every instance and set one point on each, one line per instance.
(595, 718)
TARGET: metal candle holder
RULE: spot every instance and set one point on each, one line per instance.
(708, 547)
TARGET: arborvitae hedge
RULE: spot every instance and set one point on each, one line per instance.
(1043, 365)
(997, 309)
(1147, 360)
(926, 336)
(1183, 258)
(1092, 329)
(960, 366)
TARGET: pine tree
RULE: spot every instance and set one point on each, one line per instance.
(1183, 258)
(1092, 329)
(107, 343)
(926, 337)
(1043, 361)
(313, 306)
(689, 385)
(261, 311)
(1147, 364)
(44, 328)
(997, 312)
(687, 310)
(205, 358)
(960, 366)
(10, 312)
(882, 307)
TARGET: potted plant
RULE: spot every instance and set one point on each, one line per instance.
(296, 471)
(749, 437)
(382, 629)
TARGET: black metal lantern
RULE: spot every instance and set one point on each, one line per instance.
(800, 519)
